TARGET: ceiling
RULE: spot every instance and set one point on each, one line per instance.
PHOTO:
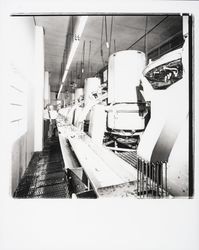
(125, 31)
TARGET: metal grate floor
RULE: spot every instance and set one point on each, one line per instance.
(45, 176)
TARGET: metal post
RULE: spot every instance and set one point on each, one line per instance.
(150, 176)
(88, 184)
(152, 170)
(162, 193)
(166, 178)
(140, 178)
(138, 167)
(147, 179)
(143, 179)
(157, 178)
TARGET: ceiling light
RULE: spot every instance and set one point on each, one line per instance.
(64, 76)
(78, 33)
(60, 89)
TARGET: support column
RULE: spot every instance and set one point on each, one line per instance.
(39, 88)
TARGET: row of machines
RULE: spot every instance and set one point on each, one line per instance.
(116, 114)
(142, 108)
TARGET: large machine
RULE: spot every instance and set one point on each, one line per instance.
(166, 138)
(127, 110)
(142, 117)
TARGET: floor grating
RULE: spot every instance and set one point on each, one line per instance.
(45, 176)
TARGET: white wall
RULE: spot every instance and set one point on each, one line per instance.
(22, 33)
(39, 88)
(26, 81)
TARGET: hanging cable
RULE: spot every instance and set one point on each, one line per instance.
(101, 49)
(71, 77)
(91, 70)
(72, 29)
(111, 31)
(76, 71)
(106, 33)
(83, 56)
(76, 74)
(61, 71)
(145, 38)
(114, 46)
(89, 57)
(80, 70)
(82, 62)
(148, 32)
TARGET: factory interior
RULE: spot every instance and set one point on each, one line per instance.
(99, 106)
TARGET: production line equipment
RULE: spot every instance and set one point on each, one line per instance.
(137, 124)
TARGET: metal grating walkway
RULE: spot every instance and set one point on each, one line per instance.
(45, 176)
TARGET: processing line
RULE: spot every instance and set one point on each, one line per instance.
(121, 139)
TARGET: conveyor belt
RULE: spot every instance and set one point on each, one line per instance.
(45, 176)
(102, 167)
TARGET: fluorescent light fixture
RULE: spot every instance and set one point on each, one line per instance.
(64, 76)
(78, 33)
(60, 89)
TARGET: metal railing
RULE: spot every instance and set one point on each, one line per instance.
(151, 179)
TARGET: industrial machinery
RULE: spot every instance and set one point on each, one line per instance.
(164, 144)
(142, 117)
(126, 108)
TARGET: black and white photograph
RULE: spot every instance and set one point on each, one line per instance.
(108, 117)
(99, 120)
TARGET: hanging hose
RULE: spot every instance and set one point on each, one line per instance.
(91, 69)
(145, 38)
(76, 73)
(61, 72)
(89, 55)
(82, 64)
(106, 33)
(71, 76)
(114, 46)
(101, 50)
(72, 29)
(111, 31)
(83, 55)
